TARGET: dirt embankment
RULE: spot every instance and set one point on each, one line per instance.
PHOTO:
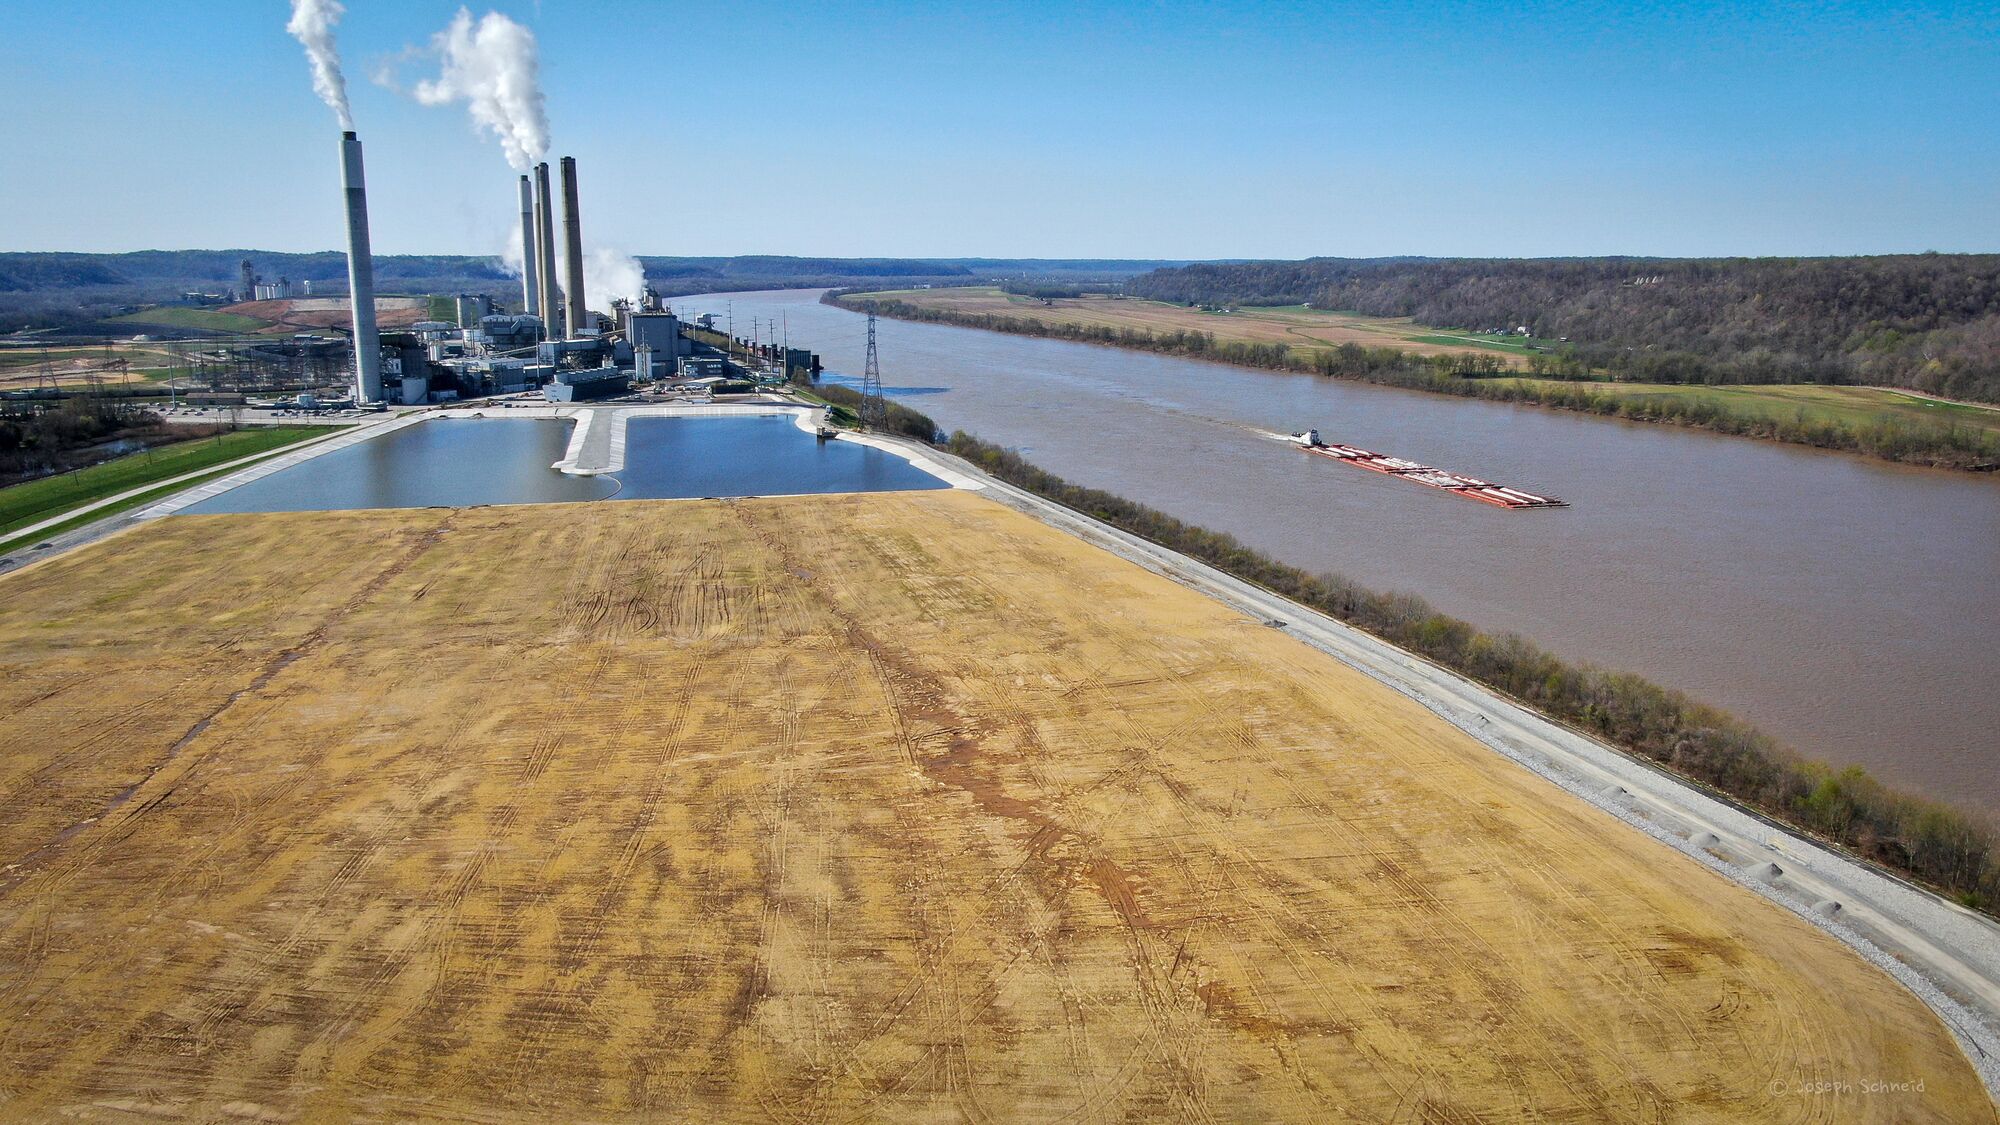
(302, 314)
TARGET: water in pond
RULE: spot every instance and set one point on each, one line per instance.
(463, 461)
(454, 462)
(1846, 605)
(668, 458)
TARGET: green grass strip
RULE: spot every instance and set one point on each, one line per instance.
(34, 501)
(109, 510)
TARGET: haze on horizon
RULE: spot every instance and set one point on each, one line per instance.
(1039, 130)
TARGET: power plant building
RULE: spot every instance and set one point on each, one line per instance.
(658, 331)
(507, 333)
(473, 308)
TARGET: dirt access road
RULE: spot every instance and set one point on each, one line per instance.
(896, 806)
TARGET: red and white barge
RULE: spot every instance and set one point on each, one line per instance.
(1472, 488)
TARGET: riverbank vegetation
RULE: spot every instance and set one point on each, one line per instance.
(1963, 438)
(1926, 322)
(846, 402)
(1951, 849)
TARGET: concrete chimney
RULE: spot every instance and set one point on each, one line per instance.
(531, 274)
(545, 237)
(572, 249)
(360, 275)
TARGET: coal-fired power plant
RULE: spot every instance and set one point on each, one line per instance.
(545, 246)
(531, 274)
(573, 314)
(360, 275)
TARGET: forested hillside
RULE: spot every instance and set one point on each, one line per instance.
(1930, 322)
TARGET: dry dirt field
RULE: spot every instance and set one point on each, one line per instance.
(897, 807)
(1305, 328)
(306, 314)
(22, 367)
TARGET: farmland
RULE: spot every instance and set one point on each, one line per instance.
(1295, 325)
(1809, 403)
(893, 806)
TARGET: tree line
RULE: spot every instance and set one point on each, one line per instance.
(1928, 322)
(40, 438)
(1951, 849)
(1947, 445)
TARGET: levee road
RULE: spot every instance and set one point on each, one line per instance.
(901, 806)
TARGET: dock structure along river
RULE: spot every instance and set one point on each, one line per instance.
(1843, 604)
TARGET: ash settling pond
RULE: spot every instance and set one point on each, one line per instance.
(462, 462)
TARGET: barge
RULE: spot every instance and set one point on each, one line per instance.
(1472, 488)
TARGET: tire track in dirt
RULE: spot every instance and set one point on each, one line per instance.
(948, 751)
(1249, 954)
(12, 874)
(116, 827)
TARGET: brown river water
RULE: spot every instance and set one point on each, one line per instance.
(1848, 606)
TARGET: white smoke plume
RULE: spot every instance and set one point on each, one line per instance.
(609, 274)
(494, 67)
(312, 25)
(509, 256)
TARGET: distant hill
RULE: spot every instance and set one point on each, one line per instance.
(60, 290)
(1930, 322)
(24, 273)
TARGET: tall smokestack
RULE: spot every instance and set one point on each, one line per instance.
(545, 248)
(531, 274)
(572, 248)
(360, 275)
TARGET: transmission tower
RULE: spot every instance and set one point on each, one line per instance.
(874, 412)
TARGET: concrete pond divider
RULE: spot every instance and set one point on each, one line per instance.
(597, 444)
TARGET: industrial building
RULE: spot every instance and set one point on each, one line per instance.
(472, 308)
(552, 341)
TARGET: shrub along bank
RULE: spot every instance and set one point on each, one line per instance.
(1945, 847)
(902, 420)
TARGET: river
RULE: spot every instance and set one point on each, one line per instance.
(1849, 607)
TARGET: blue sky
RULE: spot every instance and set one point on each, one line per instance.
(1039, 129)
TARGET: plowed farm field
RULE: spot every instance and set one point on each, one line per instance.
(895, 807)
(1296, 325)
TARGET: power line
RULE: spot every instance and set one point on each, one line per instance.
(874, 411)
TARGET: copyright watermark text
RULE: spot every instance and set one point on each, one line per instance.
(1843, 1088)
